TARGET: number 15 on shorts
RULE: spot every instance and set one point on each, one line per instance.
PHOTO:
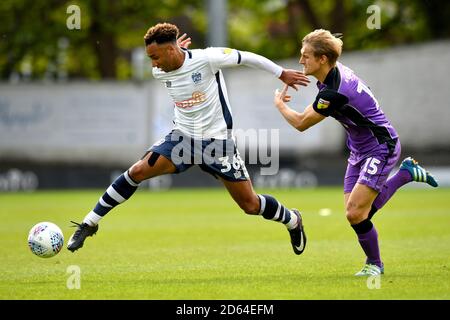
(371, 165)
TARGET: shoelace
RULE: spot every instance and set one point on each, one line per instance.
(76, 224)
(79, 230)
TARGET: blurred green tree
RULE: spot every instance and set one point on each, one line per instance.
(275, 27)
(35, 33)
(36, 43)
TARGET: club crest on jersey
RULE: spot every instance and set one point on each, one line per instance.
(322, 104)
(196, 77)
(168, 84)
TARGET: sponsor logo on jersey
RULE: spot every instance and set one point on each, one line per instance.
(196, 77)
(322, 104)
(197, 98)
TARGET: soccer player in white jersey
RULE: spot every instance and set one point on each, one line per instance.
(202, 133)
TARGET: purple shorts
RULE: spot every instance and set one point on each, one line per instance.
(371, 169)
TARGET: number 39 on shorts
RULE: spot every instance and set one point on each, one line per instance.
(371, 165)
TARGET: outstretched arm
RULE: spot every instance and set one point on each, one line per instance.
(226, 58)
(299, 120)
(289, 76)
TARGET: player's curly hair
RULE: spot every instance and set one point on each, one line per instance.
(161, 33)
(323, 42)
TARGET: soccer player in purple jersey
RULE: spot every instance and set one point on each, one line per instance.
(373, 142)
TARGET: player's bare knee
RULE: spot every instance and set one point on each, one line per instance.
(138, 172)
(353, 213)
(352, 217)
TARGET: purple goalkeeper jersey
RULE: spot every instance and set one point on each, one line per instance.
(346, 98)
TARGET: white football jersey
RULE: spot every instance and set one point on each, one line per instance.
(197, 88)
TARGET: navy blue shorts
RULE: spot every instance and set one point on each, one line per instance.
(217, 157)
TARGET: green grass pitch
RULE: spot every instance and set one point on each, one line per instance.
(197, 244)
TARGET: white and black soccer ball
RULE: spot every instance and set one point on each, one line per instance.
(45, 239)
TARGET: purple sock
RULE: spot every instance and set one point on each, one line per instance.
(401, 178)
(369, 243)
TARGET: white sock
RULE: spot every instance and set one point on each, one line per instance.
(292, 222)
(92, 218)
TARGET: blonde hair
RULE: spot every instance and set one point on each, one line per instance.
(323, 42)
